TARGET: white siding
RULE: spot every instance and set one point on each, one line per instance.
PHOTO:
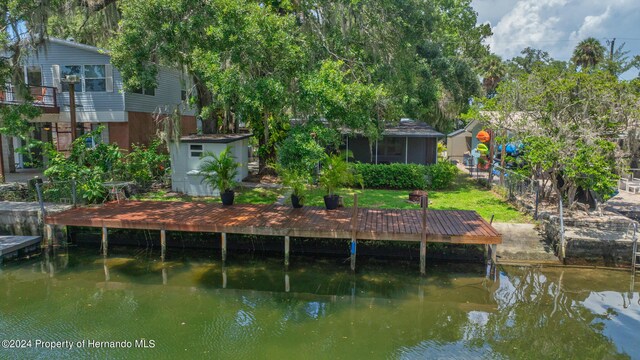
(59, 54)
(96, 104)
(167, 96)
(184, 177)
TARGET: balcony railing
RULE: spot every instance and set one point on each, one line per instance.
(44, 97)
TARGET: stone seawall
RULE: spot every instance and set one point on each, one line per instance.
(25, 218)
(590, 239)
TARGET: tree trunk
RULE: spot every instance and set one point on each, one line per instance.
(266, 154)
(503, 154)
(205, 99)
(11, 155)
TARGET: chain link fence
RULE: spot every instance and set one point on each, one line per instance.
(518, 188)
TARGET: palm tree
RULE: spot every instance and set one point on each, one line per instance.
(493, 70)
(588, 53)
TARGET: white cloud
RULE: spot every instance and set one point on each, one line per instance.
(591, 25)
(557, 26)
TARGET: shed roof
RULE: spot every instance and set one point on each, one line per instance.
(215, 138)
(458, 132)
(411, 128)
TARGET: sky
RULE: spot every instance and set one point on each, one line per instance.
(557, 26)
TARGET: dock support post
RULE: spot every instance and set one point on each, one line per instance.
(105, 267)
(423, 239)
(223, 246)
(486, 246)
(494, 256)
(48, 235)
(354, 228)
(224, 276)
(163, 244)
(286, 252)
(287, 286)
(105, 243)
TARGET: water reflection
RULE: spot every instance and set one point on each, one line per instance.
(196, 307)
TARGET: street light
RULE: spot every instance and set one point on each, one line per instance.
(71, 80)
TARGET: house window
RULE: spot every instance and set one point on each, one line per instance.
(34, 76)
(95, 78)
(196, 150)
(67, 70)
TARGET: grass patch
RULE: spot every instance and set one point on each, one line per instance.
(243, 196)
(464, 194)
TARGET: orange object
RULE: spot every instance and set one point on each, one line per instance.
(483, 136)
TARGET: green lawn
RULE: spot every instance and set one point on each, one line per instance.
(243, 196)
(465, 194)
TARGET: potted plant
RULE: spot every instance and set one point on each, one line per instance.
(297, 181)
(219, 172)
(335, 173)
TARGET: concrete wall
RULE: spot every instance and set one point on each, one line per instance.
(185, 176)
(24, 218)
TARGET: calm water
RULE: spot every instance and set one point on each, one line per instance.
(193, 308)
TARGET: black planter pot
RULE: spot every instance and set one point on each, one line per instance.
(227, 197)
(331, 201)
(295, 202)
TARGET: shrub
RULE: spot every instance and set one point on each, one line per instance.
(441, 175)
(305, 146)
(407, 176)
(336, 172)
(144, 165)
(219, 170)
(393, 176)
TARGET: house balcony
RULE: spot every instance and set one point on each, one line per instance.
(44, 97)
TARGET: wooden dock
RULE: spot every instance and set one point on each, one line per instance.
(450, 226)
(11, 244)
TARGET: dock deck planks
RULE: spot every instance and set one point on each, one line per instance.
(452, 226)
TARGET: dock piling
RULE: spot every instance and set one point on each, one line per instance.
(286, 252)
(287, 286)
(423, 239)
(105, 243)
(224, 276)
(163, 244)
(354, 228)
(223, 246)
(48, 235)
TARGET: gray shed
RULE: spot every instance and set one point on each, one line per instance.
(185, 160)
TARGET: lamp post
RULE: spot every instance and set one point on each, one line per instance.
(71, 80)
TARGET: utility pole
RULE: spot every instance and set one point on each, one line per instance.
(1, 162)
(71, 80)
(72, 110)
